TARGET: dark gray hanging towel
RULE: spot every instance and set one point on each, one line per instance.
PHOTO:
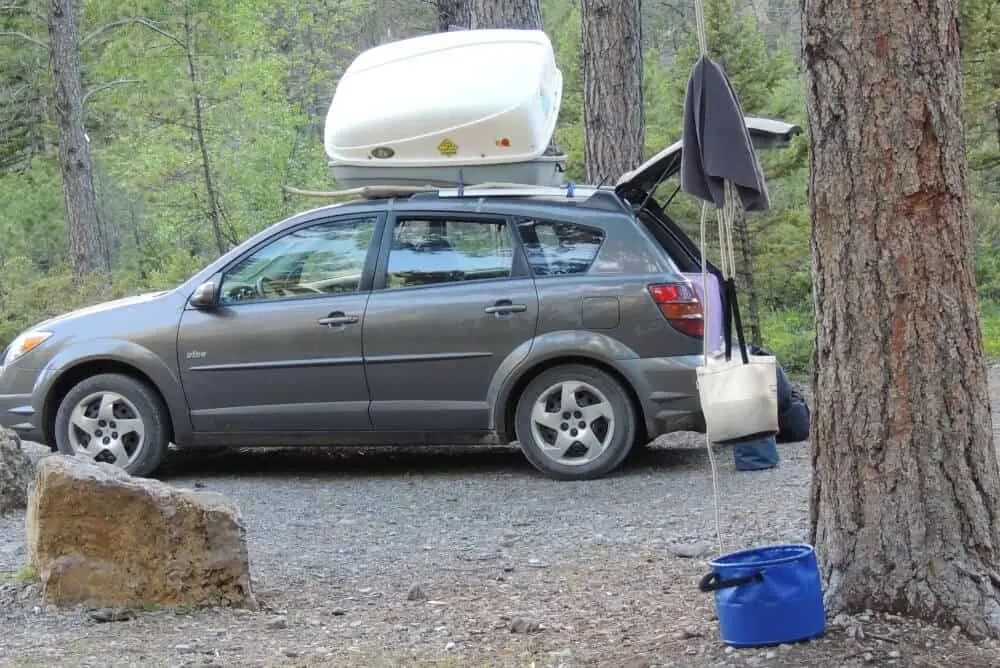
(717, 145)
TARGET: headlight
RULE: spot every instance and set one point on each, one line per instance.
(23, 344)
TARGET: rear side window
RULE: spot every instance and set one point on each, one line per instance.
(559, 248)
(428, 252)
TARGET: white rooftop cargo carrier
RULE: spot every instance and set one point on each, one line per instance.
(419, 111)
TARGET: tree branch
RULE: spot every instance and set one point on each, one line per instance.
(105, 86)
(29, 38)
(19, 8)
(97, 32)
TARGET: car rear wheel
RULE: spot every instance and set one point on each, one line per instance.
(115, 419)
(575, 422)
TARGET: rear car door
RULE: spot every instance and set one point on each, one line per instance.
(282, 349)
(453, 299)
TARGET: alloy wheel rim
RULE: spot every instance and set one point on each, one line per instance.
(573, 423)
(106, 427)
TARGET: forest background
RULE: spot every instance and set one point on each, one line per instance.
(198, 114)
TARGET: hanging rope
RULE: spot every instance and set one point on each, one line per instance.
(724, 217)
(699, 17)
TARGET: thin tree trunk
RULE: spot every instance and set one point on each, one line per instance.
(453, 14)
(612, 87)
(748, 280)
(906, 489)
(87, 246)
(504, 14)
(137, 238)
(214, 209)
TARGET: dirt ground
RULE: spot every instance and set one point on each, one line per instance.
(444, 558)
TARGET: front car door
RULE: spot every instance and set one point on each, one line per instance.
(454, 298)
(282, 349)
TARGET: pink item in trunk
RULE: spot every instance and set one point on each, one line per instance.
(713, 311)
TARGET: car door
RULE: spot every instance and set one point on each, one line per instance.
(453, 299)
(281, 349)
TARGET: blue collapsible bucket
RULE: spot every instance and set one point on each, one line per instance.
(767, 595)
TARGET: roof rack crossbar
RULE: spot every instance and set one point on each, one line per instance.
(601, 197)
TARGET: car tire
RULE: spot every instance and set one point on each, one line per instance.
(596, 437)
(111, 416)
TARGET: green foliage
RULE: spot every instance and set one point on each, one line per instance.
(989, 312)
(789, 334)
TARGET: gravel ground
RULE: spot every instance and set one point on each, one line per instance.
(449, 557)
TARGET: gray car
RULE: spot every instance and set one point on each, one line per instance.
(567, 320)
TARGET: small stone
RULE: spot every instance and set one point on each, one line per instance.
(338, 612)
(416, 593)
(291, 653)
(894, 654)
(537, 563)
(103, 615)
(690, 550)
(524, 625)
(687, 634)
(771, 655)
(278, 623)
(450, 646)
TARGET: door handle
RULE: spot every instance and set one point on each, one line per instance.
(337, 319)
(504, 306)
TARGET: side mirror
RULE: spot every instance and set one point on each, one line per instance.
(205, 295)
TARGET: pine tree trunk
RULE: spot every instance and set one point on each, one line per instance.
(452, 14)
(748, 280)
(504, 14)
(906, 486)
(87, 246)
(612, 88)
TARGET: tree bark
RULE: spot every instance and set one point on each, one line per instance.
(87, 245)
(905, 486)
(524, 14)
(612, 87)
(748, 280)
(453, 14)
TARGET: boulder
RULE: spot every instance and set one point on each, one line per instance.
(99, 537)
(15, 473)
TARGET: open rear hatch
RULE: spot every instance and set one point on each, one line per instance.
(639, 186)
(635, 186)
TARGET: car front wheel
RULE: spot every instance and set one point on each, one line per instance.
(115, 419)
(575, 422)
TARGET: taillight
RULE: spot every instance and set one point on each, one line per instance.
(680, 306)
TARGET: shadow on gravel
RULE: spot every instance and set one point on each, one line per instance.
(397, 462)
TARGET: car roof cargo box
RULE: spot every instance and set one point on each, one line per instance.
(467, 106)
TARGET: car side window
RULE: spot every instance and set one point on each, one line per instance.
(559, 248)
(439, 250)
(322, 259)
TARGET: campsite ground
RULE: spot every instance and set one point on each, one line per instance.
(512, 569)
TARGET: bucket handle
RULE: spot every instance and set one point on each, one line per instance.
(713, 582)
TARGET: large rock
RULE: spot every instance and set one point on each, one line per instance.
(99, 537)
(15, 473)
